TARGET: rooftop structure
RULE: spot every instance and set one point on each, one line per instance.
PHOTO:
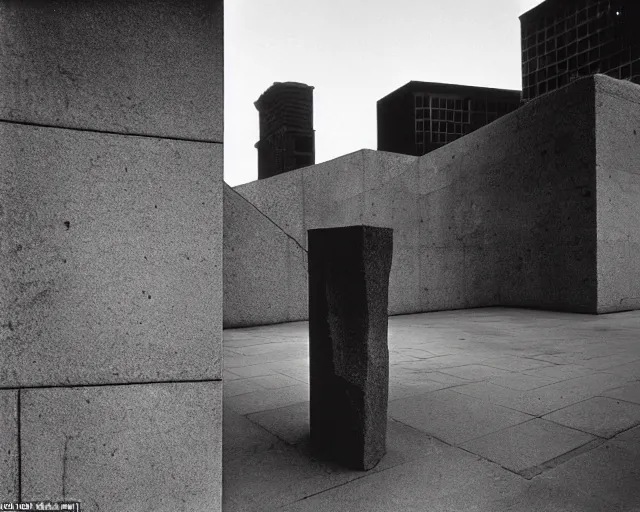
(564, 40)
(287, 139)
(422, 116)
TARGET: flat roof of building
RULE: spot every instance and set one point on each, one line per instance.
(444, 88)
(281, 88)
(545, 8)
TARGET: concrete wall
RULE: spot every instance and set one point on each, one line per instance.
(111, 253)
(504, 216)
(265, 270)
(618, 193)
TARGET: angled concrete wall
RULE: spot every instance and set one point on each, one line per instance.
(265, 269)
(111, 252)
(514, 214)
(618, 194)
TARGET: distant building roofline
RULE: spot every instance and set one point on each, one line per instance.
(278, 87)
(541, 9)
(442, 87)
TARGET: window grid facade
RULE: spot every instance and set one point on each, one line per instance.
(421, 117)
(584, 39)
(440, 120)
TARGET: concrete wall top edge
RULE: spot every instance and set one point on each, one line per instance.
(621, 88)
(126, 66)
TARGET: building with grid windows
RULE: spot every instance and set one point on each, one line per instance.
(422, 116)
(287, 137)
(566, 39)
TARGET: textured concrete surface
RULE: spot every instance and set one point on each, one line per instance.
(432, 413)
(111, 258)
(601, 416)
(504, 216)
(476, 454)
(349, 357)
(136, 447)
(282, 197)
(147, 67)
(265, 269)
(522, 447)
(9, 445)
(618, 178)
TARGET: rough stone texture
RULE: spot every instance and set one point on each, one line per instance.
(128, 66)
(139, 447)
(282, 197)
(441, 414)
(528, 444)
(111, 258)
(604, 417)
(349, 358)
(504, 216)
(9, 445)
(265, 270)
(618, 178)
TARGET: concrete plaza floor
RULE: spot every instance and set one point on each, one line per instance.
(489, 410)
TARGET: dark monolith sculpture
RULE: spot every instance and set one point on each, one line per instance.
(349, 357)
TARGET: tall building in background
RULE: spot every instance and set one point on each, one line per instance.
(287, 137)
(566, 39)
(422, 116)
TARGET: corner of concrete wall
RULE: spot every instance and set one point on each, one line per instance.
(507, 213)
(503, 216)
(265, 269)
(618, 194)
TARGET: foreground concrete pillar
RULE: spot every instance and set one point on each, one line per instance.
(111, 253)
(349, 358)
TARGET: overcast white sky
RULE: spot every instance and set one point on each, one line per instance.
(354, 52)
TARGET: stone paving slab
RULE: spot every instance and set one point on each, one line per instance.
(611, 471)
(546, 399)
(445, 414)
(514, 363)
(281, 366)
(267, 399)
(240, 387)
(475, 372)
(610, 361)
(290, 423)
(253, 370)
(601, 416)
(241, 437)
(560, 372)
(404, 389)
(631, 370)
(264, 348)
(276, 381)
(628, 393)
(301, 374)
(409, 376)
(548, 494)
(443, 482)
(269, 477)
(630, 436)
(228, 376)
(527, 445)
(553, 361)
(520, 381)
